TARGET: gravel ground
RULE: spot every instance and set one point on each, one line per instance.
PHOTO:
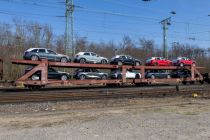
(122, 119)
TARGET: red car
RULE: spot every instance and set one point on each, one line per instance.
(183, 61)
(158, 61)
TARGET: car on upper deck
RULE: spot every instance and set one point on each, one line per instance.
(125, 60)
(36, 54)
(183, 61)
(90, 57)
(158, 61)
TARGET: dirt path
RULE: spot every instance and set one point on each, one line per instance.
(123, 119)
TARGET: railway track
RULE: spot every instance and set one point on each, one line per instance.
(63, 94)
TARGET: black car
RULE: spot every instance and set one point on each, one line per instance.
(153, 74)
(89, 73)
(125, 60)
(182, 73)
(52, 74)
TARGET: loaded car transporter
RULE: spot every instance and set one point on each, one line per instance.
(43, 66)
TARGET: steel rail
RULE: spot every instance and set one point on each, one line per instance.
(39, 96)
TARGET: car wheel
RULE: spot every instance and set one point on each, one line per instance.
(137, 64)
(104, 61)
(82, 61)
(35, 77)
(34, 58)
(152, 77)
(103, 77)
(201, 82)
(181, 64)
(120, 63)
(192, 82)
(82, 77)
(168, 76)
(64, 77)
(64, 60)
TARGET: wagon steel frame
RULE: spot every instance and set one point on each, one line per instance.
(44, 64)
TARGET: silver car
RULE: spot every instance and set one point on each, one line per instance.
(89, 57)
(89, 73)
(36, 54)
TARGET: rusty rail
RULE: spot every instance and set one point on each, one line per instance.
(63, 95)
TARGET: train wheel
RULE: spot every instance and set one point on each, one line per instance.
(184, 82)
(201, 82)
(192, 82)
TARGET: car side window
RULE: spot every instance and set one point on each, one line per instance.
(93, 54)
(94, 70)
(51, 52)
(87, 70)
(51, 70)
(42, 51)
(35, 50)
(123, 57)
(87, 54)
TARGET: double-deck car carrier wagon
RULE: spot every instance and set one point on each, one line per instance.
(43, 66)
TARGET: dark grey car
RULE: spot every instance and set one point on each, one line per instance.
(43, 53)
(157, 74)
(89, 73)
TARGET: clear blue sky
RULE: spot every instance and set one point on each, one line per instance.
(110, 20)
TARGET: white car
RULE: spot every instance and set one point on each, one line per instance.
(130, 74)
(90, 57)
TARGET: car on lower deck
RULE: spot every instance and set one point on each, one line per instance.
(36, 54)
(183, 61)
(157, 74)
(89, 73)
(53, 74)
(125, 60)
(158, 61)
(130, 74)
(181, 73)
(89, 57)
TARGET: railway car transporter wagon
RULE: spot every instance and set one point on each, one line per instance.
(43, 66)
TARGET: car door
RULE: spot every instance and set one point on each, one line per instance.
(123, 59)
(95, 73)
(88, 73)
(42, 53)
(53, 74)
(162, 61)
(129, 60)
(87, 56)
(52, 55)
(94, 58)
